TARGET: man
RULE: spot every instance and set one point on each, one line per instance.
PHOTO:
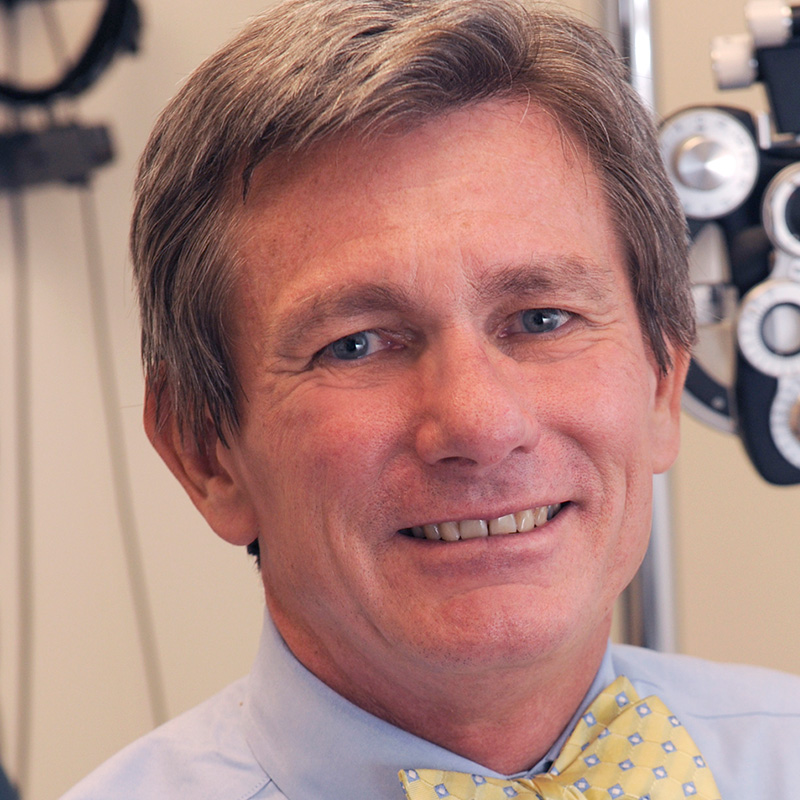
(416, 322)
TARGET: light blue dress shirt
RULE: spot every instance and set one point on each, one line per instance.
(281, 733)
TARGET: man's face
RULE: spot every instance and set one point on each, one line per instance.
(436, 329)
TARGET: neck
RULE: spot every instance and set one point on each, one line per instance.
(505, 718)
(503, 726)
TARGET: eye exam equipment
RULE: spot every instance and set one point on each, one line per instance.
(714, 362)
(43, 143)
(737, 174)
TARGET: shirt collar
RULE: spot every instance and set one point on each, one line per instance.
(314, 744)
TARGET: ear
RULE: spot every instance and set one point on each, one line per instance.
(205, 470)
(665, 432)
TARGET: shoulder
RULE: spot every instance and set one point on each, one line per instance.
(745, 720)
(712, 689)
(201, 754)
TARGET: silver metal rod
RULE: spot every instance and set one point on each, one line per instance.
(649, 604)
(657, 574)
(629, 23)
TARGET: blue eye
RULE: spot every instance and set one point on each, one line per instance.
(350, 348)
(543, 320)
(360, 346)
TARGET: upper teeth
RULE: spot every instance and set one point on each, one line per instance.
(520, 522)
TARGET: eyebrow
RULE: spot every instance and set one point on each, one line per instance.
(586, 279)
(339, 302)
(581, 277)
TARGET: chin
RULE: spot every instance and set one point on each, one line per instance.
(501, 634)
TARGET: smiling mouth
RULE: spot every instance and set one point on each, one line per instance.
(519, 522)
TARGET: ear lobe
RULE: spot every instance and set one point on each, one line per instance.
(667, 412)
(203, 470)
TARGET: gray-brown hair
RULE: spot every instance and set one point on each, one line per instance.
(308, 70)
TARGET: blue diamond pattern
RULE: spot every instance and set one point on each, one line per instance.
(605, 732)
(689, 788)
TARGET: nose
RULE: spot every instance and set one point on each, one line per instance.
(473, 407)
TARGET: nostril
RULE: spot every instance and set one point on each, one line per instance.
(457, 461)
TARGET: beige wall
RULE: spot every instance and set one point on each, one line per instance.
(734, 536)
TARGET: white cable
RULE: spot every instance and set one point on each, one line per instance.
(119, 462)
(25, 533)
(23, 465)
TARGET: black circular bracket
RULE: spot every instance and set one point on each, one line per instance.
(117, 30)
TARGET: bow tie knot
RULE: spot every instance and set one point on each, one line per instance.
(424, 784)
(623, 748)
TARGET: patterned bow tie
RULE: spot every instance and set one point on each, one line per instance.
(623, 748)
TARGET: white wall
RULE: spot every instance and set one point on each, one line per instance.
(735, 537)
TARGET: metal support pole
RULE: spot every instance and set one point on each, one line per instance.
(629, 24)
(649, 603)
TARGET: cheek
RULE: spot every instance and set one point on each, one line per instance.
(627, 402)
(323, 454)
(611, 399)
(607, 428)
(348, 438)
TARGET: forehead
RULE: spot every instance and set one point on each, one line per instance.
(495, 186)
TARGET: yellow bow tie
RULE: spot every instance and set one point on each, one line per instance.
(623, 748)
